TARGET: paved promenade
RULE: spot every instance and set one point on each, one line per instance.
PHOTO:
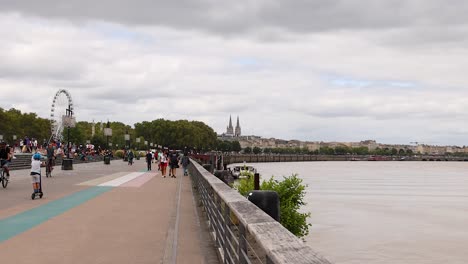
(100, 213)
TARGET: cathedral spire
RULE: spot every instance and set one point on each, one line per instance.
(230, 129)
(238, 128)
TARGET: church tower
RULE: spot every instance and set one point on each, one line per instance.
(230, 129)
(238, 128)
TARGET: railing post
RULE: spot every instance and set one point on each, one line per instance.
(219, 223)
(242, 244)
(227, 213)
(256, 181)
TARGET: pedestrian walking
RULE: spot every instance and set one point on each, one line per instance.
(163, 163)
(130, 157)
(149, 159)
(185, 161)
(173, 163)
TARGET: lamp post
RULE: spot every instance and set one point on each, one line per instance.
(108, 133)
(69, 114)
(127, 139)
(69, 121)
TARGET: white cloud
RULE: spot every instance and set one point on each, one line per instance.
(344, 83)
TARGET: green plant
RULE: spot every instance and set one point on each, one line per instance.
(291, 193)
(119, 153)
(244, 185)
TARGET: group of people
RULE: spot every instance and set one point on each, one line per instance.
(28, 145)
(169, 159)
(163, 158)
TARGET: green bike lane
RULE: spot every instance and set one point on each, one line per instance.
(81, 219)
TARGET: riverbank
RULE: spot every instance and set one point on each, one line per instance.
(240, 158)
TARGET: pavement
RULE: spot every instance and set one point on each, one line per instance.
(99, 213)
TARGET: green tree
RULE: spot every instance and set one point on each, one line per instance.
(361, 150)
(236, 146)
(256, 150)
(248, 150)
(291, 193)
(178, 134)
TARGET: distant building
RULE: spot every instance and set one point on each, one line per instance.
(238, 129)
(230, 131)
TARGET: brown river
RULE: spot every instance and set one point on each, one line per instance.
(384, 212)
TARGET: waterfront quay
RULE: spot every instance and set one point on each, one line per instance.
(99, 213)
(118, 213)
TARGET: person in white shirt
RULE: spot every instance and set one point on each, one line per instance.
(36, 172)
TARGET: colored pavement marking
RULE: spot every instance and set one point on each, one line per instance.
(103, 179)
(17, 224)
(139, 181)
(122, 180)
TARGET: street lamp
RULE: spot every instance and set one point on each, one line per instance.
(68, 121)
(127, 139)
(108, 133)
(68, 118)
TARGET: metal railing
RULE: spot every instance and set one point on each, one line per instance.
(242, 232)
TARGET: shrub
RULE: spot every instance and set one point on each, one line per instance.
(291, 193)
(119, 154)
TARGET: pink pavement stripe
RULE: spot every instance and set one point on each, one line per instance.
(139, 181)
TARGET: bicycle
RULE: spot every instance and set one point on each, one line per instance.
(3, 177)
(49, 168)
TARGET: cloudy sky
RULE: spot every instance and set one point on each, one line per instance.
(336, 70)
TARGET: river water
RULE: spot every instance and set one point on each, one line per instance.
(384, 212)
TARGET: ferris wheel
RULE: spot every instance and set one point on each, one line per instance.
(61, 105)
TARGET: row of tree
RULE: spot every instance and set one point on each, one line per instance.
(13, 123)
(340, 150)
(178, 134)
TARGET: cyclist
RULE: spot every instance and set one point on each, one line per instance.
(50, 156)
(5, 158)
(130, 156)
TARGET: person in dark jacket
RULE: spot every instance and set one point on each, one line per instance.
(185, 161)
(149, 159)
(173, 163)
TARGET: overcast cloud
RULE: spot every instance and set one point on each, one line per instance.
(336, 70)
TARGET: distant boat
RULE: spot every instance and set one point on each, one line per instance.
(376, 158)
(243, 171)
